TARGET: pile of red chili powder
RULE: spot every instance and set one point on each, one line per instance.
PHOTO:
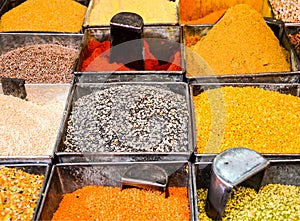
(98, 59)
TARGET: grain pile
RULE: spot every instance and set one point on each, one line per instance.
(27, 128)
(266, 121)
(42, 63)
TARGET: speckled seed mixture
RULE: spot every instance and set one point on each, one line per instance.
(266, 121)
(19, 193)
(286, 10)
(27, 128)
(44, 63)
(130, 118)
(44, 15)
(272, 202)
(112, 203)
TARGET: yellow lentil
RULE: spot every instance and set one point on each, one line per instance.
(241, 42)
(44, 15)
(112, 203)
(266, 121)
(19, 193)
(272, 202)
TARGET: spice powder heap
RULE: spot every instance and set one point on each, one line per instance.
(240, 43)
(112, 203)
(42, 63)
(27, 128)
(44, 15)
(272, 202)
(265, 121)
(128, 118)
(19, 193)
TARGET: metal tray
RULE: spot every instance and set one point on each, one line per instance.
(93, 2)
(81, 89)
(33, 168)
(11, 41)
(42, 94)
(7, 5)
(171, 36)
(66, 178)
(275, 77)
(278, 172)
(197, 88)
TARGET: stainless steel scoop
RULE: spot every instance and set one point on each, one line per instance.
(146, 176)
(230, 168)
(126, 30)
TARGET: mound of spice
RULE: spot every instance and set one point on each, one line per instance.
(98, 59)
(128, 118)
(265, 121)
(44, 15)
(155, 11)
(19, 193)
(43, 63)
(209, 12)
(27, 128)
(286, 10)
(272, 202)
(112, 203)
(241, 43)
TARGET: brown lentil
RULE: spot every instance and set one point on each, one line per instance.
(112, 203)
(286, 10)
(44, 63)
(295, 40)
(19, 193)
(27, 128)
(44, 15)
(266, 121)
(272, 202)
(241, 42)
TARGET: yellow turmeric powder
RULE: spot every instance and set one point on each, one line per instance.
(240, 43)
(263, 120)
(210, 11)
(44, 15)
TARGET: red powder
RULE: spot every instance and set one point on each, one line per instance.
(98, 54)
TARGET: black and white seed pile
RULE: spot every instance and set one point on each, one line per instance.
(129, 118)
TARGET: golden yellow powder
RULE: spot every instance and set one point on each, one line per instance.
(241, 43)
(154, 11)
(44, 15)
(265, 121)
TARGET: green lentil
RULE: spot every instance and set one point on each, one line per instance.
(263, 120)
(272, 202)
(19, 193)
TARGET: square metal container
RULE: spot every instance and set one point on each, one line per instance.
(278, 172)
(86, 22)
(82, 89)
(273, 77)
(293, 29)
(11, 41)
(43, 94)
(7, 5)
(171, 35)
(32, 168)
(66, 178)
(284, 88)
